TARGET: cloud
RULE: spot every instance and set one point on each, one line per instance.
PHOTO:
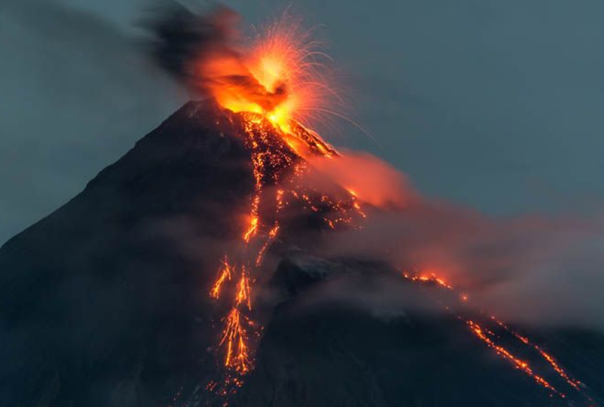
(534, 268)
(364, 175)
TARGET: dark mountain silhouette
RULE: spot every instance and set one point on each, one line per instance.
(104, 302)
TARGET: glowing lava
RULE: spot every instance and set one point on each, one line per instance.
(490, 339)
(483, 335)
(225, 274)
(284, 77)
(272, 89)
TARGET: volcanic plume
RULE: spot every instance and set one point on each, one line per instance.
(194, 270)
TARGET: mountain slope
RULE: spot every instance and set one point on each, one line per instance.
(99, 301)
(104, 302)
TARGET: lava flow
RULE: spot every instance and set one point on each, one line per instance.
(281, 86)
(271, 89)
(491, 339)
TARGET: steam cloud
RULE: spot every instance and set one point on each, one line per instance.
(376, 182)
(530, 269)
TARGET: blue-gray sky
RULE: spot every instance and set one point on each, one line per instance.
(491, 103)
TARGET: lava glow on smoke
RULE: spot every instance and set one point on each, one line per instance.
(280, 76)
(493, 340)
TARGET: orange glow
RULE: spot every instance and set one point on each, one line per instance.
(518, 363)
(489, 337)
(428, 277)
(252, 228)
(273, 89)
(225, 273)
(280, 76)
(273, 153)
(235, 338)
(243, 291)
(549, 358)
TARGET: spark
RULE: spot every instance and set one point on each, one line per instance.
(517, 362)
(235, 338)
(548, 357)
(287, 85)
(225, 273)
(428, 277)
(488, 337)
(243, 291)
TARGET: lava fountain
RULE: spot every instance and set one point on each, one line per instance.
(274, 87)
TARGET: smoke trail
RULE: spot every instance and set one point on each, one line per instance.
(533, 269)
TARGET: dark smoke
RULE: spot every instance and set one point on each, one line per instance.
(202, 52)
(180, 37)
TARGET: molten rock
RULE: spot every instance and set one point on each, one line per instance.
(121, 298)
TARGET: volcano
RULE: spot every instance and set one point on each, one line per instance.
(125, 295)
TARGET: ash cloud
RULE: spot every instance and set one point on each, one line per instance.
(203, 52)
(179, 37)
(529, 269)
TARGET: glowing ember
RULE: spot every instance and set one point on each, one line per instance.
(235, 338)
(243, 291)
(489, 338)
(285, 80)
(549, 358)
(225, 274)
(282, 86)
(518, 363)
(428, 277)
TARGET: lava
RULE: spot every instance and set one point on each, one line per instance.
(548, 357)
(428, 277)
(281, 85)
(235, 338)
(280, 76)
(490, 339)
(243, 291)
(517, 362)
(272, 88)
(276, 165)
(225, 274)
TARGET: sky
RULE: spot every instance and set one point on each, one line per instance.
(494, 104)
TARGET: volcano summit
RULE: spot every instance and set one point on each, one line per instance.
(112, 300)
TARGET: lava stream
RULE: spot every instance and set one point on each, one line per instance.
(488, 337)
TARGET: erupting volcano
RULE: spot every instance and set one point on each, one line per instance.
(269, 89)
(188, 272)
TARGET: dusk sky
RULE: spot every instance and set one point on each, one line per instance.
(301, 203)
(493, 104)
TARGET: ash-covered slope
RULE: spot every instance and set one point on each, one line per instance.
(100, 301)
(104, 302)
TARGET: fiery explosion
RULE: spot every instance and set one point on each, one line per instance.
(280, 77)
